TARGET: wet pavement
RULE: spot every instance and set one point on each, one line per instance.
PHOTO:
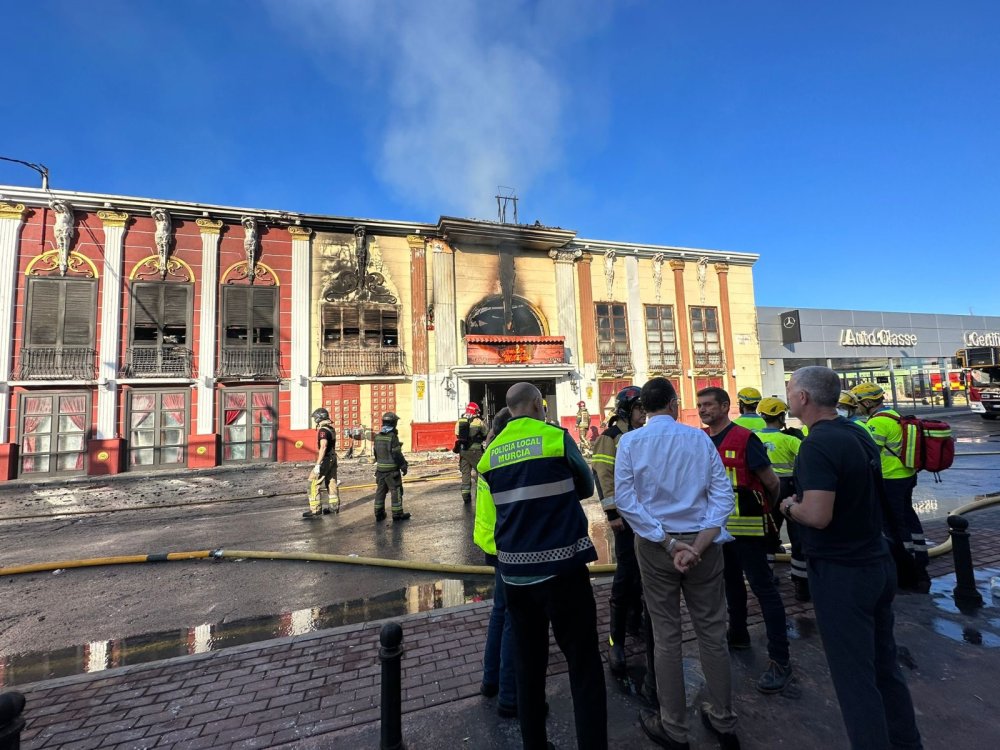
(321, 690)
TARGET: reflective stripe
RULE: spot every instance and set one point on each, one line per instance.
(608, 502)
(387, 467)
(603, 458)
(533, 491)
(547, 555)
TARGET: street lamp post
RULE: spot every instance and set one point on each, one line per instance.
(42, 170)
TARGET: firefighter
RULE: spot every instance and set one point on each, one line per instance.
(626, 589)
(748, 399)
(550, 418)
(470, 432)
(583, 427)
(390, 468)
(782, 449)
(323, 477)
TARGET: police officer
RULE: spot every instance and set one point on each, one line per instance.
(904, 526)
(782, 450)
(470, 432)
(583, 427)
(390, 468)
(325, 470)
(748, 399)
(626, 589)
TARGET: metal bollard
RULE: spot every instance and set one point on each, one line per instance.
(965, 593)
(11, 720)
(390, 653)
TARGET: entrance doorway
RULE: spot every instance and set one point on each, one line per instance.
(491, 395)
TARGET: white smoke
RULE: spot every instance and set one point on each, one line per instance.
(469, 95)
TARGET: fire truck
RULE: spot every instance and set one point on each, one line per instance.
(981, 369)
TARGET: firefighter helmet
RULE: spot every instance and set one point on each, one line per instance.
(390, 419)
(748, 396)
(771, 407)
(868, 392)
(472, 410)
(581, 404)
(626, 401)
(848, 399)
(320, 415)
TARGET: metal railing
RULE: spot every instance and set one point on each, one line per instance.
(249, 363)
(158, 362)
(338, 362)
(57, 363)
(615, 362)
(713, 360)
(662, 361)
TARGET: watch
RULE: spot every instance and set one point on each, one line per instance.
(671, 546)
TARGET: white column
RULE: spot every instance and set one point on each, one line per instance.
(301, 330)
(446, 332)
(566, 299)
(111, 320)
(210, 233)
(636, 320)
(11, 220)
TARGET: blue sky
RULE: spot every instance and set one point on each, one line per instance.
(854, 145)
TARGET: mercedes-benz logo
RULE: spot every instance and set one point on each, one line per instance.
(789, 322)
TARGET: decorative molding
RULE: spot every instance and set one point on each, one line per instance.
(250, 247)
(721, 268)
(63, 231)
(240, 271)
(207, 226)
(300, 233)
(150, 267)
(49, 262)
(163, 237)
(11, 210)
(569, 255)
(417, 245)
(113, 218)
(658, 260)
(609, 270)
(676, 264)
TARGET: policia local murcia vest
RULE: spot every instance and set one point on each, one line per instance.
(539, 528)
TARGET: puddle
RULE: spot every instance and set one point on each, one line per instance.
(979, 627)
(20, 669)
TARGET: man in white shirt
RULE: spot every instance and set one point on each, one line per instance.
(670, 485)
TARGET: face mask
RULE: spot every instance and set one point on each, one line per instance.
(843, 413)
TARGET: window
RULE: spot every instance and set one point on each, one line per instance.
(157, 428)
(705, 337)
(53, 433)
(612, 338)
(368, 326)
(249, 417)
(161, 313)
(661, 341)
(488, 318)
(249, 316)
(61, 313)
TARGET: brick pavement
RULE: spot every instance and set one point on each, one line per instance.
(287, 690)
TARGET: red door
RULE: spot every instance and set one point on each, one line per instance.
(344, 404)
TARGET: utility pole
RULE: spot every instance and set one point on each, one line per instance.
(42, 170)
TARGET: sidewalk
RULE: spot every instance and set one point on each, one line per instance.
(322, 690)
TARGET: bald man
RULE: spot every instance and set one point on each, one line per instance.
(535, 477)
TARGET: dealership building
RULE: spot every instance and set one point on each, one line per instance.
(911, 355)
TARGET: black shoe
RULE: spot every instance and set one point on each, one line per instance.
(727, 740)
(310, 514)
(379, 515)
(653, 728)
(775, 678)
(801, 586)
(489, 690)
(466, 497)
(616, 658)
(400, 516)
(326, 510)
(510, 712)
(738, 640)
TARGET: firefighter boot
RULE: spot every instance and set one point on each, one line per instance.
(801, 586)
(616, 641)
(334, 500)
(466, 496)
(379, 515)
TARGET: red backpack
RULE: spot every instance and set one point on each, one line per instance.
(927, 444)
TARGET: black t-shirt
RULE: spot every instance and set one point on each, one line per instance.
(836, 457)
(328, 434)
(756, 452)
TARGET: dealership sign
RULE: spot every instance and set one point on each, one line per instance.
(974, 338)
(878, 337)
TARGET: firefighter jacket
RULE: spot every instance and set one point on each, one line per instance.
(750, 510)
(888, 437)
(532, 478)
(583, 419)
(781, 449)
(468, 431)
(753, 422)
(389, 451)
(603, 458)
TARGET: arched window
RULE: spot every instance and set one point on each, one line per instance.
(487, 318)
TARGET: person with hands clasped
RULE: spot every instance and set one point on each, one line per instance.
(671, 487)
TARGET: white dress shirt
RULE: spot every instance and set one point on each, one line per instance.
(669, 478)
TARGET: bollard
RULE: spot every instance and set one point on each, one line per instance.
(11, 720)
(390, 654)
(966, 594)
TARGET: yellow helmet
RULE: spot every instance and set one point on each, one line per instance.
(771, 407)
(848, 399)
(748, 396)
(867, 392)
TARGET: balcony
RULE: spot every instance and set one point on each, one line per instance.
(57, 363)
(664, 362)
(709, 361)
(158, 362)
(341, 362)
(245, 363)
(615, 362)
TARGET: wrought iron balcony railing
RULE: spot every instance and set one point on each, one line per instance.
(620, 362)
(339, 362)
(240, 362)
(664, 361)
(709, 360)
(57, 363)
(158, 362)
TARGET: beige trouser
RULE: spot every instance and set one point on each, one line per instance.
(704, 593)
(467, 462)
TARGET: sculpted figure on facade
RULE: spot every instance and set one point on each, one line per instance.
(63, 231)
(250, 244)
(658, 260)
(609, 270)
(702, 277)
(162, 236)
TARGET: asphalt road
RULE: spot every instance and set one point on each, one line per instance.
(259, 508)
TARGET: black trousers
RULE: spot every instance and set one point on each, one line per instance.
(567, 602)
(626, 588)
